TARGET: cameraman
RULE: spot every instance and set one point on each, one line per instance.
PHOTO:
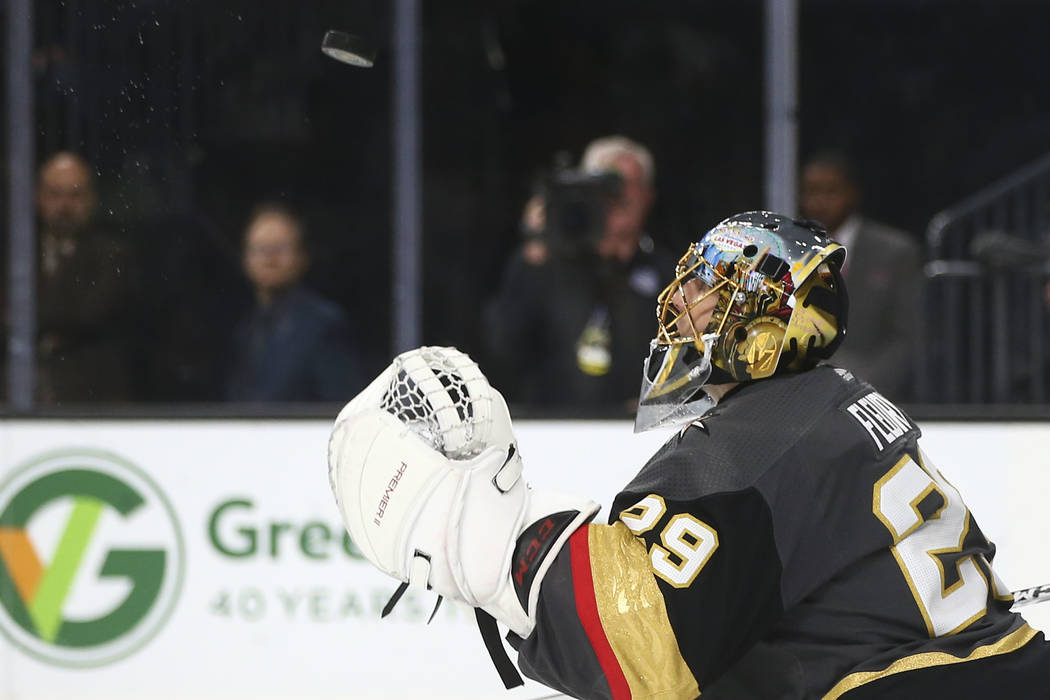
(574, 304)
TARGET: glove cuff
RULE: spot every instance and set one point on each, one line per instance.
(551, 518)
(534, 545)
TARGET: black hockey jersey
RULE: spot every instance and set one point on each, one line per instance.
(793, 543)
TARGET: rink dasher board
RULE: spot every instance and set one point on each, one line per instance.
(269, 601)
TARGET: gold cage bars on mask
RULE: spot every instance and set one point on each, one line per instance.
(735, 287)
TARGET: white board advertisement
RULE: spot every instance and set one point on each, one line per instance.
(205, 559)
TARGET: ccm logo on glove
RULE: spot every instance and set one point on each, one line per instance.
(532, 547)
(388, 493)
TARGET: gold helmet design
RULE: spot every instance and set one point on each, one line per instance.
(781, 307)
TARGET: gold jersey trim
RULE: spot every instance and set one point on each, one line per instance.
(634, 617)
(1011, 642)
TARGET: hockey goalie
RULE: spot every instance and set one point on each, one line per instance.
(789, 540)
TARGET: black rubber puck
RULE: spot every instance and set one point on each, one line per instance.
(348, 48)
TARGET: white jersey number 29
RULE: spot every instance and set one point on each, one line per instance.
(686, 542)
(921, 543)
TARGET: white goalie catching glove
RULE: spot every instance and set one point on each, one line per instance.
(426, 472)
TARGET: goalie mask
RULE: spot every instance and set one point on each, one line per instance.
(779, 306)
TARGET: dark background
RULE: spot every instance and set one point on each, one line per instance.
(194, 111)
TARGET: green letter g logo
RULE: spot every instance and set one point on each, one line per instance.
(88, 503)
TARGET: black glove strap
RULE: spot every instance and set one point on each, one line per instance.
(490, 635)
(389, 607)
(435, 611)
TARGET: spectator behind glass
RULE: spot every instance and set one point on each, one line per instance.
(883, 269)
(294, 345)
(83, 291)
(565, 328)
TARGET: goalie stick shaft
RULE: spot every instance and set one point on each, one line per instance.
(1028, 596)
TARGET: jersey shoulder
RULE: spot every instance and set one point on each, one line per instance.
(754, 428)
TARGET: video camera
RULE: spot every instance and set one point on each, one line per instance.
(576, 206)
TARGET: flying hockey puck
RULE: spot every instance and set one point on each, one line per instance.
(347, 48)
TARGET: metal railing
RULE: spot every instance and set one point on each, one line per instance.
(984, 331)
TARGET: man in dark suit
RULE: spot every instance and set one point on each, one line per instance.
(83, 291)
(883, 269)
(294, 345)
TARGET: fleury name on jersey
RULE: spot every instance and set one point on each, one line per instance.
(884, 422)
